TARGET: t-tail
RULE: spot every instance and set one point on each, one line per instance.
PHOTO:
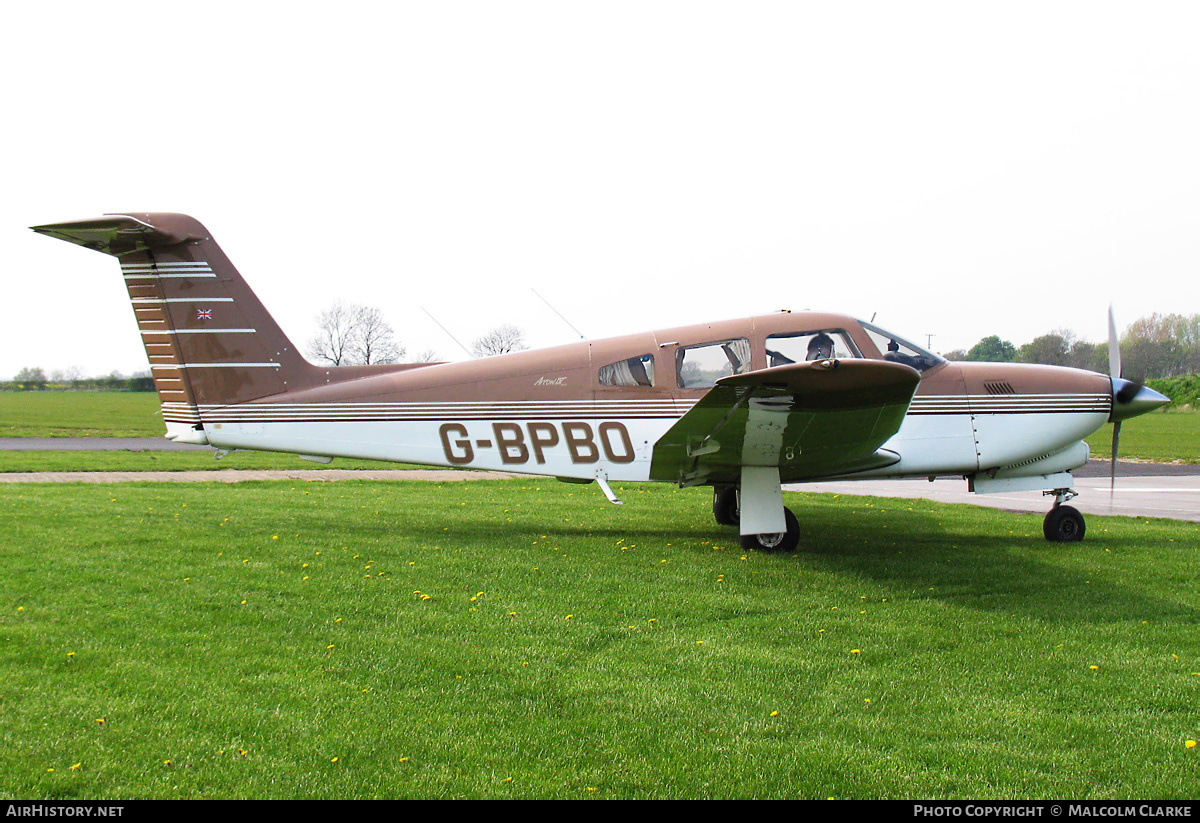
(209, 339)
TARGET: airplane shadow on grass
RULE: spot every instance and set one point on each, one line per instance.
(975, 558)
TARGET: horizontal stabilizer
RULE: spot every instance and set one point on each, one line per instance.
(119, 234)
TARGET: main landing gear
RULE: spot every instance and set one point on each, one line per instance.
(725, 505)
(786, 541)
(1063, 524)
(727, 511)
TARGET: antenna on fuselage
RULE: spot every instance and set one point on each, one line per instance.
(447, 331)
(582, 336)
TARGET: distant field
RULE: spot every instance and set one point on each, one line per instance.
(156, 461)
(80, 414)
(1161, 436)
(525, 639)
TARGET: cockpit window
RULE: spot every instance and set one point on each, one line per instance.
(636, 371)
(699, 367)
(801, 347)
(898, 350)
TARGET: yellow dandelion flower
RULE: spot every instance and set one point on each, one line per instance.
(334, 760)
(1191, 744)
(774, 714)
(76, 767)
(856, 651)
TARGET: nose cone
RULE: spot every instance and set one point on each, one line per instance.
(1130, 400)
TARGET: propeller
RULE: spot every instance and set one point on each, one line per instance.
(1130, 398)
(1114, 373)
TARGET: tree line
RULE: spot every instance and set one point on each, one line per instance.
(1155, 347)
(32, 378)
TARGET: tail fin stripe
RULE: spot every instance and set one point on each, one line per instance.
(148, 276)
(142, 301)
(221, 366)
(195, 331)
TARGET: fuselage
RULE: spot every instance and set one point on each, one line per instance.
(601, 406)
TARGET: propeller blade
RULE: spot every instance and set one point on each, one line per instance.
(1112, 477)
(1114, 346)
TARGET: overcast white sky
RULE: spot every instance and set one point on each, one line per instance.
(960, 169)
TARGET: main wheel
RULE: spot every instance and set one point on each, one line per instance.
(1063, 524)
(725, 506)
(783, 542)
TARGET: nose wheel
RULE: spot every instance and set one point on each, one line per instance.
(1063, 524)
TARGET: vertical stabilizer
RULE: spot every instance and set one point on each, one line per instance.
(209, 339)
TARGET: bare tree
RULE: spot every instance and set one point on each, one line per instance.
(500, 340)
(335, 328)
(353, 335)
(373, 340)
(427, 356)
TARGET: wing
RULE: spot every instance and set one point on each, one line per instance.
(818, 419)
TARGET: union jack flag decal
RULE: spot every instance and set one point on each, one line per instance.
(204, 314)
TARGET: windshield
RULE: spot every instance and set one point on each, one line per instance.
(898, 350)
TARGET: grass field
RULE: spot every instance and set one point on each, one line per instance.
(525, 639)
(80, 414)
(1163, 437)
(160, 461)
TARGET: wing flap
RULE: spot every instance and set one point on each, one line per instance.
(810, 419)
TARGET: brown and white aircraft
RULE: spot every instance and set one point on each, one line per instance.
(739, 405)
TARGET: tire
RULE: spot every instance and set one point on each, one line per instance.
(725, 506)
(783, 542)
(1064, 524)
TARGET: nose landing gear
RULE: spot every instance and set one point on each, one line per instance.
(1063, 524)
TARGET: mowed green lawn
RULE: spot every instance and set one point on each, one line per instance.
(80, 414)
(1165, 437)
(527, 639)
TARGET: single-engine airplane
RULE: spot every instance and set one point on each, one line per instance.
(739, 405)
